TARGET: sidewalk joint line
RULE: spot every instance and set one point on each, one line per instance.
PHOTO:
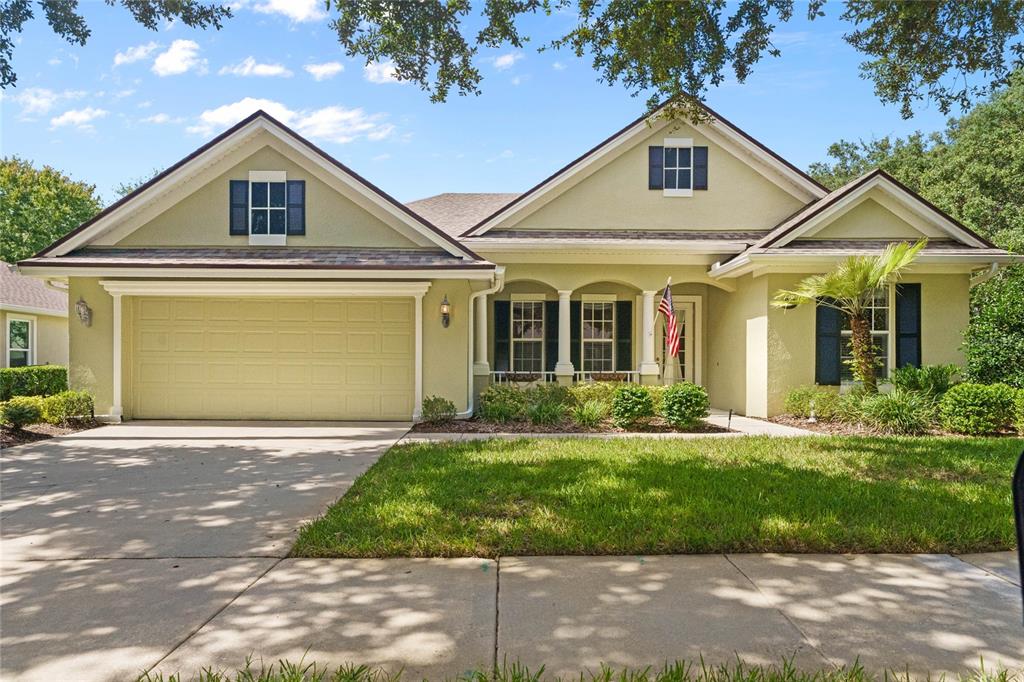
(985, 570)
(782, 613)
(216, 613)
(497, 621)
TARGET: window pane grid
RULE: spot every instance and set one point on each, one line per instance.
(877, 313)
(598, 337)
(19, 343)
(678, 168)
(267, 208)
(528, 336)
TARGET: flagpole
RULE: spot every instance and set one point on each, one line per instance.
(664, 360)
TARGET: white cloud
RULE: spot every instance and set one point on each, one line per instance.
(134, 54)
(180, 57)
(53, 61)
(296, 10)
(121, 94)
(39, 101)
(505, 154)
(250, 67)
(380, 72)
(161, 118)
(334, 124)
(324, 71)
(507, 60)
(145, 104)
(79, 118)
(558, 66)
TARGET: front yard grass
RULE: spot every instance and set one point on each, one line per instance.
(642, 496)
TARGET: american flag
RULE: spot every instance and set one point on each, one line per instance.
(671, 323)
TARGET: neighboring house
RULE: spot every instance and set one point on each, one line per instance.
(260, 278)
(34, 319)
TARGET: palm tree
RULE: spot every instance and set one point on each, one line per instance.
(849, 289)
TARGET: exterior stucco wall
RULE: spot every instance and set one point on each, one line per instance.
(616, 196)
(869, 219)
(446, 350)
(51, 337)
(201, 219)
(90, 361)
(736, 347)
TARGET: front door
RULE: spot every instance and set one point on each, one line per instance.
(681, 367)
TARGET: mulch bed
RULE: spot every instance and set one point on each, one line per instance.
(475, 425)
(10, 437)
(838, 428)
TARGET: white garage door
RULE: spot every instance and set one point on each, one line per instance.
(274, 358)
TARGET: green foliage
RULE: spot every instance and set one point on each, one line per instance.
(632, 405)
(545, 412)
(977, 409)
(33, 380)
(67, 407)
(282, 671)
(850, 407)
(21, 411)
(825, 402)
(601, 391)
(931, 380)
(683, 405)
(437, 410)
(1018, 412)
(590, 413)
(502, 403)
(39, 207)
(994, 341)
(548, 393)
(899, 412)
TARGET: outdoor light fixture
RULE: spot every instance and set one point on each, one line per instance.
(446, 312)
(84, 312)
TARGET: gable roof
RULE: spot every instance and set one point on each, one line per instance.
(456, 212)
(259, 120)
(25, 294)
(626, 133)
(799, 222)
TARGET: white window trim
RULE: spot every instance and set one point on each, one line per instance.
(597, 298)
(32, 327)
(512, 340)
(679, 142)
(890, 341)
(267, 239)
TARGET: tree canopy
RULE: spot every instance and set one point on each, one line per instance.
(39, 206)
(946, 52)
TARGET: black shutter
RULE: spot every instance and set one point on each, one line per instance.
(296, 207)
(238, 208)
(623, 336)
(575, 333)
(655, 168)
(700, 167)
(908, 325)
(502, 335)
(828, 337)
(550, 335)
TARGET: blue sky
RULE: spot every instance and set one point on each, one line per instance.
(133, 100)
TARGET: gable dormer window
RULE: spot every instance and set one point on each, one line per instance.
(268, 207)
(677, 167)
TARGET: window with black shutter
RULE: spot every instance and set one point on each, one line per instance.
(908, 325)
(827, 345)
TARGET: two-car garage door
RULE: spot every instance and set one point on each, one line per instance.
(272, 358)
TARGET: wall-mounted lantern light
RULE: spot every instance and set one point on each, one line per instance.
(84, 312)
(446, 312)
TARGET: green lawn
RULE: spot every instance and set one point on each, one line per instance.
(644, 496)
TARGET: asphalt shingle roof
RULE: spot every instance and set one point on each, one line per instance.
(456, 212)
(19, 290)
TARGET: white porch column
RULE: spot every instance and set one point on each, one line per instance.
(564, 368)
(417, 398)
(480, 364)
(116, 410)
(648, 366)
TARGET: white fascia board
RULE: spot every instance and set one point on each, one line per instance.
(245, 289)
(630, 245)
(32, 310)
(57, 271)
(784, 262)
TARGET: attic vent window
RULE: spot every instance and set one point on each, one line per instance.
(678, 167)
(267, 208)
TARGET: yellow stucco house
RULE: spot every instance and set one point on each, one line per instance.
(261, 278)
(34, 319)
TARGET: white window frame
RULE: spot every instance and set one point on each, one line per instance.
(890, 339)
(32, 326)
(597, 298)
(526, 298)
(268, 239)
(676, 143)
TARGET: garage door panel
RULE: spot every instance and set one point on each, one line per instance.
(272, 358)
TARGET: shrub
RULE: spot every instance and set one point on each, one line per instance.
(994, 339)
(900, 411)
(548, 393)
(684, 404)
(67, 407)
(590, 414)
(437, 410)
(545, 412)
(976, 409)
(849, 407)
(601, 391)
(632, 404)
(1018, 412)
(502, 403)
(825, 402)
(34, 380)
(21, 411)
(932, 380)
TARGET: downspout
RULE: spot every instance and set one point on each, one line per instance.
(985, 275)
(499, 284)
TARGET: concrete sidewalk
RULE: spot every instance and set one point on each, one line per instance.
(439, 618)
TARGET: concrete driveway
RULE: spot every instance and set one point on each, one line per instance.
(118, 543)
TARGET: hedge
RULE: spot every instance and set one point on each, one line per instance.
(35, 380)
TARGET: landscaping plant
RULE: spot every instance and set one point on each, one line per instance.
(589, 414)
(1018, 412)
(932, 380)
(67, 407)
(602, 391)
(632, 405)
(21, 411)
(545, 412)
(502, 403)
(976, 409)
(823, 401)
(34, 380)
(683, 405)
(899, 412)
(850, 288)
(437, 410)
